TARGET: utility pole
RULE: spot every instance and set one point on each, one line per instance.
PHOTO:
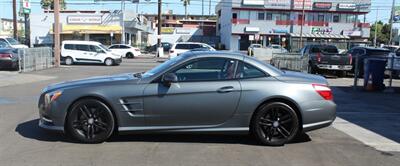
(123, 22)
(159, 28)
(56, 30)
(376, 26)
(209, 8)
(15, 27)
(202, 8)
(391, 24)
(302, 24)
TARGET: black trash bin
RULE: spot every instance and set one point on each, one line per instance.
(374, 73)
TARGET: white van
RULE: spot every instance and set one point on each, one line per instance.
(182, 47)
(9, 42)
(88, 52)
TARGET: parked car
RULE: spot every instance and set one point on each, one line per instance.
(10, 42)
(277, 48)
(88, 52)
(326, 58)
(9, 58)
(194, 92)
(166, 46)
(366, 52)
(125, 51)
(182, 47)
(250, 50)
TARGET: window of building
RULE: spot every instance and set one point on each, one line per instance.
(285, 16)
(261, 16)
(269, 16)
(320, 17)
(174, 17)
(167, 17)
(219, 13)
(244, 14)
(350, 18)
(234, 15)
(336, 18)
(219, 26)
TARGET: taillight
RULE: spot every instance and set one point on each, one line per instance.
(319, 57)
(351, 59)
(171, 51)
(136, 49)
(324, 91)
(6, 56)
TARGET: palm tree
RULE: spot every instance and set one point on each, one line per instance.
(49, 4)
(186, 3)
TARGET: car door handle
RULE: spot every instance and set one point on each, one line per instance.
(225, 89)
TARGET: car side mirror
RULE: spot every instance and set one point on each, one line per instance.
(169, 78)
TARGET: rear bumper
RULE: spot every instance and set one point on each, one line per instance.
(318, 114)
(335, 67)
(8, 64)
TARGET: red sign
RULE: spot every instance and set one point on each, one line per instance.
(298, 4)
(322, 5)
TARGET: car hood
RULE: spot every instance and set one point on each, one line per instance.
(91, 81)
(291, 76)
(19, 46)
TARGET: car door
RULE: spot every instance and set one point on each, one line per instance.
(83, 53)
(97, 53)
(206, 94)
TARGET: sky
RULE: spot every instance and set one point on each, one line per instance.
(382, 7)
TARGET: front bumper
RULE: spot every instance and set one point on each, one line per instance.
(8, 64)
(51, 117)
(118, 61)
(335, 67)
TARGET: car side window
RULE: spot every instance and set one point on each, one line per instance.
(69, 47)
(207, 69)
(3, 44)
(96, 49)
(82, 47)
(181, 46)
(245, 71)
(123, 47)
(114, 46)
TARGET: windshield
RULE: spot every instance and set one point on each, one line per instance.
(104, 47)
(256, 46)
(164, 66)
(330, 50)
(12, 41)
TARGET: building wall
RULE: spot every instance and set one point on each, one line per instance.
(224, 23)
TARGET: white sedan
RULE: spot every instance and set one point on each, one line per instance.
(125, 51)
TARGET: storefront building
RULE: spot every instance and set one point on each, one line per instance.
(105, 27)
(242, 22)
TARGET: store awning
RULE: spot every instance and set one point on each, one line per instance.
(320, 36)
(89, 29)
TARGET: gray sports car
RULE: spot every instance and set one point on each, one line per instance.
(201, 92)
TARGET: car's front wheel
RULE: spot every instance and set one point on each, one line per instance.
(90, 121)
(109, 62)
(275, 124)
(69, 61)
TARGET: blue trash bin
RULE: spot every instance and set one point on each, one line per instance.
(374, 68)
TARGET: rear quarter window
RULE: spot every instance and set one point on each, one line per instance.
(377, 52)
(181, 46)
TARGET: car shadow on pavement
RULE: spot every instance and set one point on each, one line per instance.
(31, 130)
(378, 111)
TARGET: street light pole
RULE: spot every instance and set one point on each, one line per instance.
(302, 24)
(391, 24)
(159, 28)
(57, 32)
(15, 25)
(376, 26)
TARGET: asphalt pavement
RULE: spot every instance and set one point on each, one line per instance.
(375, 116)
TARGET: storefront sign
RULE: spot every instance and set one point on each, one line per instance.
(347, 6)
(298, 4)
(167, 30)
(183, 31)
(322, 5)
(253, 2)
(277, 4)
(84, 20)
(351, 33)
(252, 29)
(279, 30)
(315, 30)
(251, 37)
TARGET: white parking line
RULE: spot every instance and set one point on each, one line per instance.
(366, 136)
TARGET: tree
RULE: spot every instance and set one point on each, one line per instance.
(383, 33)
(50, 4)
(186, 3)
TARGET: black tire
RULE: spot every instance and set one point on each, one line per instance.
(109, 62)
(69, 61)
(90, 121)
(275, 124)
(130, 55)
(311, 69)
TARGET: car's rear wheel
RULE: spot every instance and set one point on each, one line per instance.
(275, 124)
(109, 62)
(90, 121)
(69, 61)
(130, 55)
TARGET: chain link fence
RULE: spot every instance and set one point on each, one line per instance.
(33, 59)
(290, 61)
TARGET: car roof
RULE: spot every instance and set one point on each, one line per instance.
(189, 43)
(371, 48)
(80, 42)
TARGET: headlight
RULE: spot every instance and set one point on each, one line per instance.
(52, 96)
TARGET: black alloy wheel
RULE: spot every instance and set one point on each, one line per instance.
(90, 121)
(130, 55)
(275, 124)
